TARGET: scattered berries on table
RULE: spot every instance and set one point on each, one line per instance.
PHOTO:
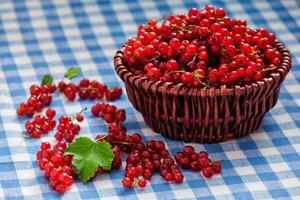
(41, 124)
(55, 166)
(67, 128)
(40, 96)
(87, 89)
(194, 161)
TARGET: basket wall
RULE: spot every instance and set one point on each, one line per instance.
(203, 115)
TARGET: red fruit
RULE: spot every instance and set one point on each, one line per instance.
(204, 162)
(75, 129)
(36, 134)
(42, 162)
(69, 136)
(61, 189)
(208, 172)
(45, 145)
(79, 118)
(153, 73)
(231, 50)
(217, 167)
(233, 76)
(195, 166)
(188, 150)
(175, 43)
(203, 154)
(50, 113)
(65, 179)
(172, 65)
(127, 182)
(142, 183)
(191, 49)
(241, 60)
(187, 78)
(57, 160)
(178, 178)
(184, 162)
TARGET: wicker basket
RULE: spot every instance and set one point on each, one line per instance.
(203, 115)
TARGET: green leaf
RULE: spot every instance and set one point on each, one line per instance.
(72, 72)
(89, 155)
(47, 79)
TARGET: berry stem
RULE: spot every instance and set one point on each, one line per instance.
(84, 109)
(25, 135)
(193, 60)
(267, 69)
(101, 138)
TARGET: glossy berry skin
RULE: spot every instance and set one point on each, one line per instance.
(50, 113)
(208, 172)
(172, 65)
(142, 183)
(217, 167)
(79, 118)
(127, 182)
(40, 97)
(198, 161)
(40, 125)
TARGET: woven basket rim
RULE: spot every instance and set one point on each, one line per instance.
(176, 88)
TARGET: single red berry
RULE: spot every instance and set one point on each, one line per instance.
(172, 65)
(188, 150)
(45, 145)
(217, 167)
(79, 118)
(142, 183)
(61, 189)
(42, 162)
(50, 113)
(153, 73)
(203, 154)
(127, 182)
(208, 172)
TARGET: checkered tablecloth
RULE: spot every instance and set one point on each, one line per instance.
(39, 37)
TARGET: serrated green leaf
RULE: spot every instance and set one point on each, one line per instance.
(47, 79)
(89, 155)
(72, 72)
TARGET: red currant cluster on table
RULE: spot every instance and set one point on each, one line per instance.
(87, 89)
(41, 124)
(109, 112)
(147, 159)
(55, 166)
(40, 96)
(189, 159)
(203, 48)
(143, 159)
(67, 129)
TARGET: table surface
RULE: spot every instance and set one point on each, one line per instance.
(39, 37)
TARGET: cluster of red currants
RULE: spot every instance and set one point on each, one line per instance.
(56, 167)
(41, 124)
(67, 129)
(87, 89)
(203, 48)
(147, 159)
(143, 159)
(189, 159)
(110, 113)
(40, 96)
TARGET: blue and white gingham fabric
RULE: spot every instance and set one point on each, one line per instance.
(39, 37)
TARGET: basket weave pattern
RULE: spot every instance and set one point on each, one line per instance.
(203, 115)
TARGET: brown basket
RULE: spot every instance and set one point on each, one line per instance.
(203, 115)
